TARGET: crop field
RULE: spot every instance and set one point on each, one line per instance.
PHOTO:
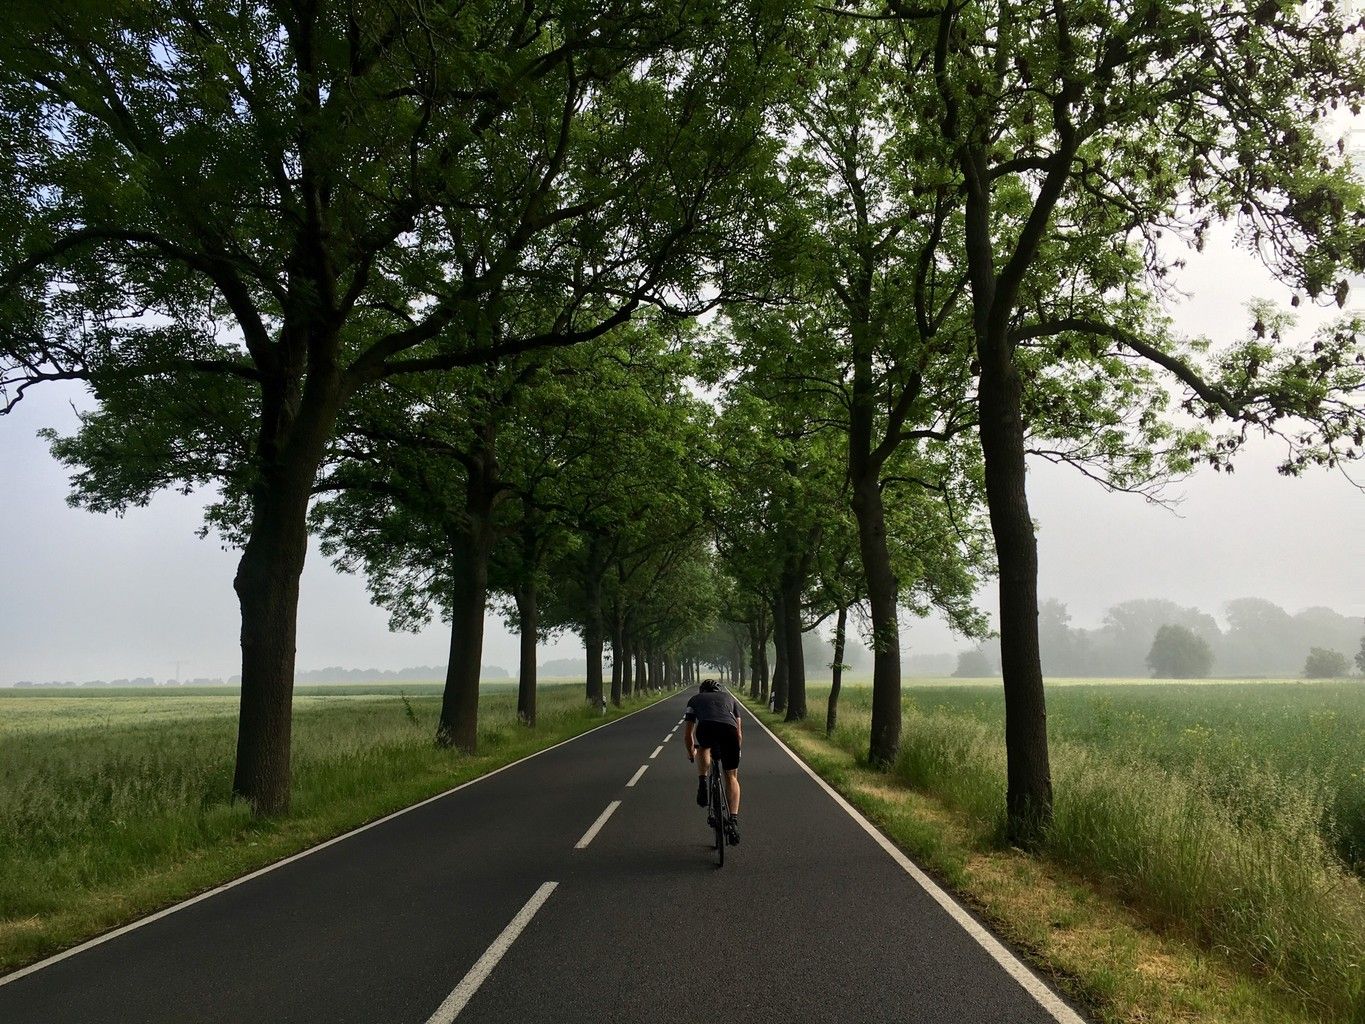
(1235, 813)
(1252, 744)
(115, 802)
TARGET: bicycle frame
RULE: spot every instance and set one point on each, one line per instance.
(718, 807)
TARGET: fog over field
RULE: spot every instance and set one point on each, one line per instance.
(95, 597)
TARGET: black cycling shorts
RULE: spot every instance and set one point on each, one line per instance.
(723, 742)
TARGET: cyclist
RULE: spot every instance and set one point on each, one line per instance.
(713, 727)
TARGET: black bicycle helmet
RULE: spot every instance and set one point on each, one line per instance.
(709, 686)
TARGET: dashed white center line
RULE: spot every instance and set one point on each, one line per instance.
(656, 751)
(483, 967)
(597, 825)
(636, 777)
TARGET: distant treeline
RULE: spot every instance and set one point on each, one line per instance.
(139, 681)
(1261, 639)
(333, 674)
(416, 674)
(576, 667)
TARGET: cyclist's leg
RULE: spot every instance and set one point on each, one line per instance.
(703, 766)
(727, 749)
(732, 790)
(732, 798)
(705, 741)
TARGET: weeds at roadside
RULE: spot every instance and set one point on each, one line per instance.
(407, 710)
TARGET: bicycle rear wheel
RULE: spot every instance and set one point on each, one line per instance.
(718, 816)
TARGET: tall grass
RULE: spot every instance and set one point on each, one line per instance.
(110, 805)
(1239, 853)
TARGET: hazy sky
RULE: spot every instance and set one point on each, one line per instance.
(88, 596)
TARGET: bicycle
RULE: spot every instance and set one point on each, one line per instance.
(718, 808)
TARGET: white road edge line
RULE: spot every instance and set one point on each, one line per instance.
(1030, 982)
(597, 825)
(636, 777)
(134, 925)
(656, 751)
(483, 967)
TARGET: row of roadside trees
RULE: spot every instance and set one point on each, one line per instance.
(643, 316)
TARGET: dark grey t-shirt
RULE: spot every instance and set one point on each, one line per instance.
(715, 706)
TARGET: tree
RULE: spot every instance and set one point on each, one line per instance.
(1076, 135)
(1360, 657)
(1323, 663)
(1323, 627)
(1065, 650)
(231, 225)
(1123, 642)
(781, 478)
(974, 664)
(419, 493)
(1260, 639)
(841, 586)
(633, 505)
(1177, 653)
(881, 283)
(879, 328)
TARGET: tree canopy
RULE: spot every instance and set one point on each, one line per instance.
(688, 328)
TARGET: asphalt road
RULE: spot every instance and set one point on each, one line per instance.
(487, 905)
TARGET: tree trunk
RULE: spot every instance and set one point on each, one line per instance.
(796, 655)
(459, 724)
(1028, 796)
(832, 714)
(781, 651)
(471, 545)
(641, 668)
(593, 628)
(763, 678)
(883, 589)
(529, 614)
(882, 598)
(753, 660)
(617, 650)
(627, 664)
(267, 587)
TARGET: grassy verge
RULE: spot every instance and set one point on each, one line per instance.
(113, 807)
(1152, 900)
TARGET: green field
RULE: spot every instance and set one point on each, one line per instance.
(114, 803)
(1233, 813)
